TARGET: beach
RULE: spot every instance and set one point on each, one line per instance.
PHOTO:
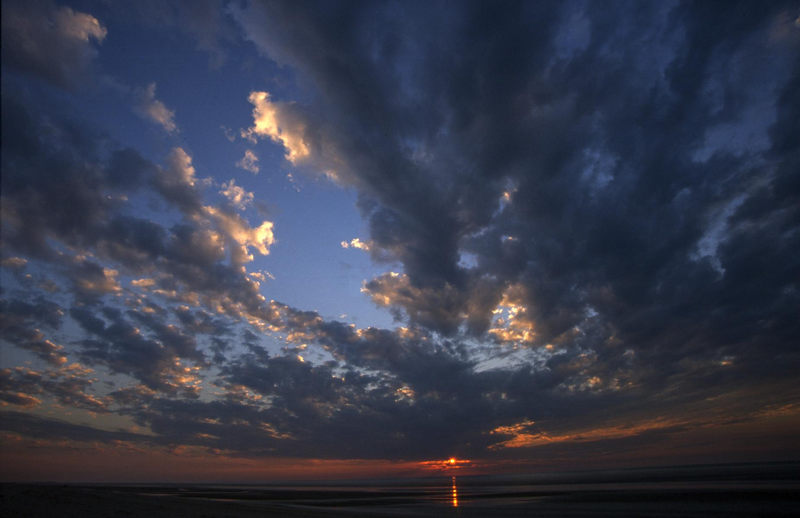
(771, 491)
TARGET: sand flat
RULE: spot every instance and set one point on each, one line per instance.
(569, 500)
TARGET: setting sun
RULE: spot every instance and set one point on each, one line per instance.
(447, 464)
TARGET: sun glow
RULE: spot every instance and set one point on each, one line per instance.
(448, 464)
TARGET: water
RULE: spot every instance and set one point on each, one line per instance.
(730, 490)
(693, 491)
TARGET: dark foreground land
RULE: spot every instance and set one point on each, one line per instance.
(695, 492)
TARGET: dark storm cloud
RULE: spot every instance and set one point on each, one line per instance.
(19, 323)
(305, 410)
(171, 336)
(121, 346)
(60, 190)
(40, 311)
(142, 345)
(202, 322)
(403, 393)
(41, 427)
(59, 186)
(37, 176)
(415, 400)
(52, 42)
(645, 238)
(64, 197)
(68, 385)
(596, 138)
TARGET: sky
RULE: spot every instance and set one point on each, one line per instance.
(250, 241)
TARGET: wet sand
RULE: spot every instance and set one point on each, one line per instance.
(36, 501)
(545, 501)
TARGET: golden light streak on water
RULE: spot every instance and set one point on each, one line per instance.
(455, 493)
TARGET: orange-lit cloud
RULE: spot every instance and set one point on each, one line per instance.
(356, 243)
(522, 435)
(238, 230)
(14, 263)
(272, 120)
(511, 324)
(19, 399)
(68, 385)
(184, 378)
(143, 283)
(104, 282)
(450, 463)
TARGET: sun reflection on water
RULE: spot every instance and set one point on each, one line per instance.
(455, 493)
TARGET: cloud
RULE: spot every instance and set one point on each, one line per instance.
(151, 108)
(238, 197)
(572, 181)
(14, 263)
(20, 322)
(43, 427)
(249, 162)
(435, 307)
(260, 238)
(543, 209)
(20, 399)
(69, 385)
(277, 122)
(177, 181)
(511, 323)
(66, 209)
(149, 350)
(574, 238)
(35, 341)
(356, 243)
(92, 279)
(53, 43)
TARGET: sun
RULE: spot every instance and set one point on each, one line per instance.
(447, 464)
